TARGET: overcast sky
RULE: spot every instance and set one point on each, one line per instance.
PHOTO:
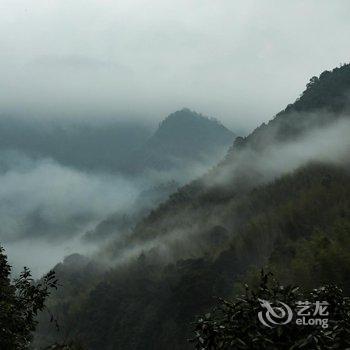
(240, 61)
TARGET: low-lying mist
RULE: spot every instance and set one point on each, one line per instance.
(170, 242)
(329, 144)
(46, 208)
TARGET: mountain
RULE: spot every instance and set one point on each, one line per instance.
(118, 145)
(268, 152)
(183, 138)
(80, 144)
(280, 199)
(184, 145)
(104, 159)
(298, 226)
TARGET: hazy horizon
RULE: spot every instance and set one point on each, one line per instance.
(145, 60)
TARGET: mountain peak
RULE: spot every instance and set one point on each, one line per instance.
(186, 135)
(186, 115)
(189, 129)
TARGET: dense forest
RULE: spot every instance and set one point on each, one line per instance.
(216, 233)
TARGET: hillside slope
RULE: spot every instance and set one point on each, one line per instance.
(280, 199)
(297, 226)
(270, 151)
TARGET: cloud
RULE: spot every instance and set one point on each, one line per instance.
(46, 208)
(328, 144)
(171, 241)
(77, 62)
(153, 57)
(40, 198)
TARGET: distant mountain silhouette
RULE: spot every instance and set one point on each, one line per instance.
(185, 137)
(103, 146)
(118, 145)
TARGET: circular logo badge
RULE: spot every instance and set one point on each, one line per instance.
(272, 316)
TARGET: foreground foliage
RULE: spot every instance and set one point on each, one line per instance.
(235, 324)
(20, 302)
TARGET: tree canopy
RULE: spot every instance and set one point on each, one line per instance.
(20, 302)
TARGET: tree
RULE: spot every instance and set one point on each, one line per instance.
(20, 302)
(236, 325)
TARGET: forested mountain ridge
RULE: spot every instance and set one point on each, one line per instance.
(238, 171)
(328, 95)
(297, 226)
(218, 230)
